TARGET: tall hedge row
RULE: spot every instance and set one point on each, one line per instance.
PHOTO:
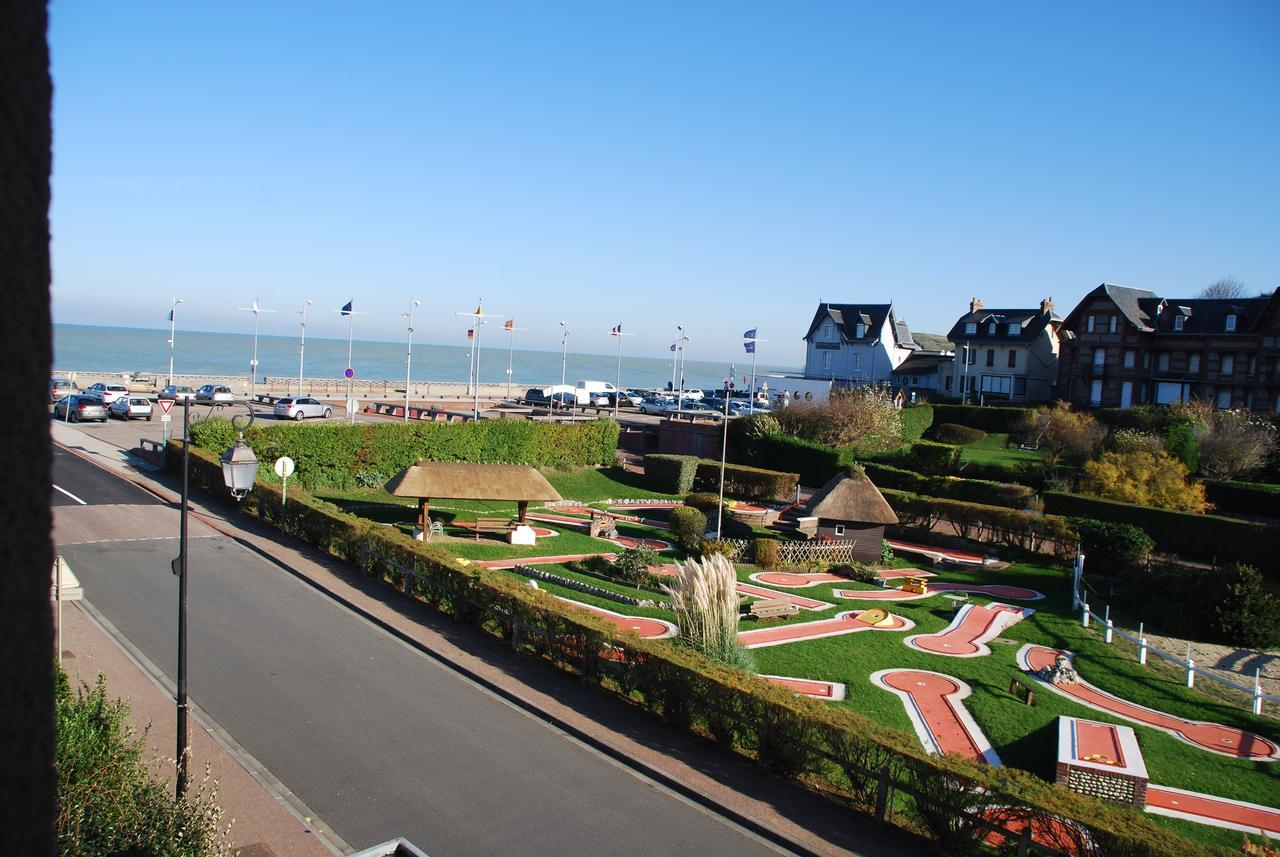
(1249, 498)
(1204, 537)
(814, 462)
(1007, 494)
(670, 474)
(1001, 420)
(679, 474)
(340, 456)
(915, 422)
(826, 748)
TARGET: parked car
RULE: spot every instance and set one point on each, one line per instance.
(652, 406)
(80, 407)
(535, 396)
(60, 387)
(107, 393)
(301, 408)
(214, 393)
(176, 393)
(563, 400)
(130, 407)
(695, 409)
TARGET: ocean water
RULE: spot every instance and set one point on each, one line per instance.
(90, 348)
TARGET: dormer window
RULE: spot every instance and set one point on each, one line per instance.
(991, 329)
(1179, 321)
(1015, 328)
(970, 328)
(1231, 323)
(860, 330)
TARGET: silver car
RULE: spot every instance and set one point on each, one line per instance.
(176, 392)
(214, 393)
(79, 407)
(130, 407)
(652, 406)
(300, 408)
(108, 393)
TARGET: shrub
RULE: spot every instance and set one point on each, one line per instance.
(864, 417)
(1250, 498)
(957, 434)
(934, 459)
(1237, 442)
(1183, 430)
(751, 431)
(1073, 436)
(704, 598)
(633, 563)
(704, 501)
(915, 422)
(748, 483)
(669, 474)
(689, 526)
(718, 547)
(983, 523)
(988, 418)
(767, 552)
(975, 490)
(1247, 613)
(1111, 547)
(815, 463)
(886, 552)
(1205, 537)
(1143, 477)
(107, 801)
(1131, 440)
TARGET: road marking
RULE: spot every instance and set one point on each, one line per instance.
(69, 494)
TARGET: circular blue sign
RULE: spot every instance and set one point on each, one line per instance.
(350, 373)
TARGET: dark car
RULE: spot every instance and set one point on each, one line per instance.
(535, 396)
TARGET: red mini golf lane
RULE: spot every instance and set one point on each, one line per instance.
(992, 590)
(843, 623)
(1218, 812)
(970, 631)
(937, 553)
(832, 691)
(1214, 737)
(794, 580)
(541, 560)
(540, 532)
(755, 591)
(934, 704)
(650, 629)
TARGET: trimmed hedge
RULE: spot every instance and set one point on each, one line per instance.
(340, 456)
(916, 421)
(935, 459)
(987, 524)
(957, 434)
(1204, 537)
(1007, 494)
(1112, 547)
(989, 418)
(815, 463)
(1250, 498)
(670, 474)
(831, 750)
(689, 526)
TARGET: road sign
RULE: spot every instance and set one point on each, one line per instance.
(166, 418)
(349, 372)
(284, 467)
(165, 405)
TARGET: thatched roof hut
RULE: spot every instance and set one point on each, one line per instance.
(850, 507)
(455, 480)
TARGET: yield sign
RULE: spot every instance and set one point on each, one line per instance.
(165, 405)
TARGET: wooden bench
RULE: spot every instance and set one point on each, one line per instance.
(492, 526)
(768, 608)
(1022, 687)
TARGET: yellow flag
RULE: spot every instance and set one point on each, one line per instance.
(480, 307)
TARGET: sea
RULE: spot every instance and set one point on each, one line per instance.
(86, 349)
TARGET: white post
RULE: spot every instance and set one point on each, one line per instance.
(408, 360)
(564, 357)
(57, 591)
(475, 403)
(1257, 691)
(617, 374)
(1142, 644)
(302, 339)
(351, 323)
(172, 310)
(253, 363)
(1077, 573)
(1106, 636)
(675, 356)
(724, 447)
(1084, 615)
(1191, 668)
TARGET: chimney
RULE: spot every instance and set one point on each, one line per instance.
(1046, 306)
(975, 305)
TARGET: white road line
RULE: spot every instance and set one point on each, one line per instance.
(69, 494)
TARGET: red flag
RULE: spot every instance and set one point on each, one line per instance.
(510, 323)
(471, 332)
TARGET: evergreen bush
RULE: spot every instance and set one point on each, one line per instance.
(689, 526)
(1111, 547)
(670, 474)
(957, 434)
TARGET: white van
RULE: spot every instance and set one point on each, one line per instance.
(595, 393)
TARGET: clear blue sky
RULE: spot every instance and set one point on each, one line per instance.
(727, 165)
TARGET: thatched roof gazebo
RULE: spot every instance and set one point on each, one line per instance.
(851, 507)
(455, 480)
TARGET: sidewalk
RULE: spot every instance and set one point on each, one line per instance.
(262, 825)
(724, 782)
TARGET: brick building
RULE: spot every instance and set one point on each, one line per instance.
(1124, 347)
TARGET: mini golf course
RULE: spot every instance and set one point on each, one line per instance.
(970, 631)
(990, 590)
(934, 703)
(848, 622)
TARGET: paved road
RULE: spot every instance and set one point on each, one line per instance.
(78, 483)
(376, 738)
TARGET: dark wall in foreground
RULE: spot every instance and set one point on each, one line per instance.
(26, 624)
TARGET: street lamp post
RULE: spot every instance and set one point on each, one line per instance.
(479, 316)
(302, 338)
(171, 311)
(350, 314)
(408, 360)
(617, 379)
(564, 357)
(239, 469)
(253, 364)
(510, 329)
(683, 341)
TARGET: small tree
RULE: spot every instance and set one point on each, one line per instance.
(863, 417)
(1247, 613)
(633, 564)
(1235, 443)
(705, 600)
(1070, 435)
(1146, 478)
(1223, 287)
(689, 526)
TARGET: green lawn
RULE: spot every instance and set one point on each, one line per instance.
(590, 485)
(992, 450)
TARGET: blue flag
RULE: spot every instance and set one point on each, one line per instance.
(346, 310)
(170, 315)
(750, 346)
(750, 334)
(673, 346)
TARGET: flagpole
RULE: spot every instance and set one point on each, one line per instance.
(253, 364)
(302, 340)
(171, 313)
(408, 360)
(479, 317)
(617, 379)
(749, 340)
(511, 330)
(350, 313)
(675, 359)
(475, 405)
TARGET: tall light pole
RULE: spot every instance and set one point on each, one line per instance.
(749, 340)
(510, 328)
(350, 372)
(171, 309)
(683, 341)
(408, 359)
(617, 379)
(302, 338)
(724, 453)
(564, 355)
(675, 357)
(253, 364)
(479, 316)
